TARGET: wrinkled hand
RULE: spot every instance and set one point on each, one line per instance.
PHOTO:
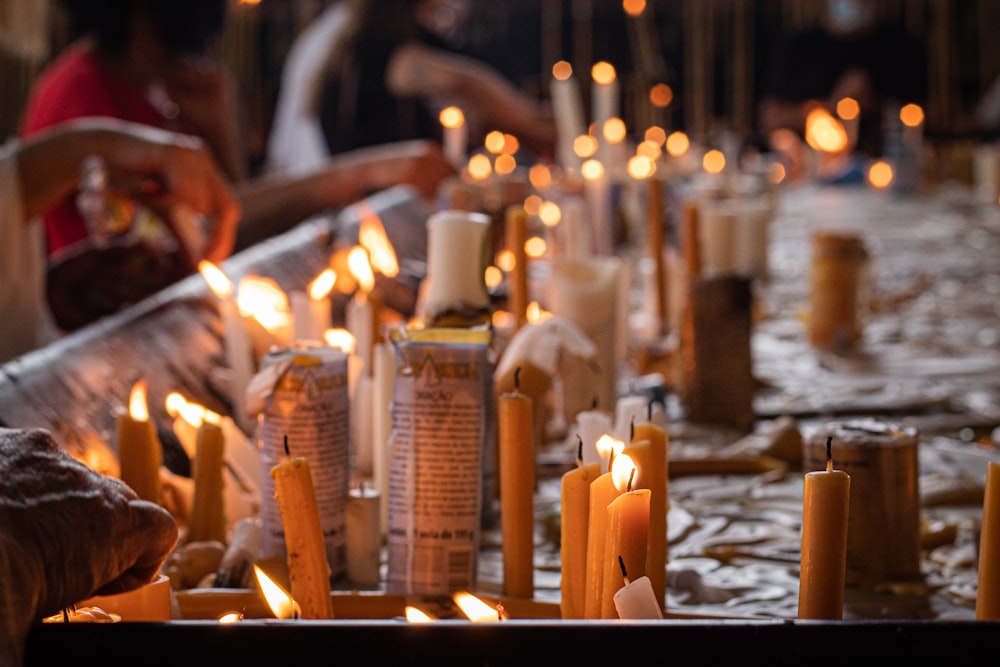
(67, 533)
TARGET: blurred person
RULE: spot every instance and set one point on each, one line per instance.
(366, 72)
(849, 53)
(36, 173)
(148, 62)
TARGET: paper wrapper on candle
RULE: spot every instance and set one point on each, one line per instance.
(140, 454)
(517, 491)
(301, 394)
(308, 569)
(364, 537)
(574, 494)
(442, 458)
(458, 252)
(838, 290)
(883, 538)
(716, 375)
(586, 291)
(208, 515)
(988, 589)
(628, 534)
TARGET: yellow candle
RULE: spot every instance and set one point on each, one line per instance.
(602, 492)
(139, 450)
(656, 247)
(823, 560)
(575, 509)
(628, 537)
(988, 592)
(517, 281)
(208, 516)
(653, 475)
(517, 488)
(308, 568)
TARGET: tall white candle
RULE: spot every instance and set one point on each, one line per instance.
(455, 135)
(597, 190)
(383, 376)
(590, 426)
(604, 99)
(567, 106)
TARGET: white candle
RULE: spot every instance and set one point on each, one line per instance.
(567, 106)
(361, 425)
(457, 245)
(590, 426)
(636, 599)
(383, 376)
(311, 309)
(597, 193)
(605, 102)
(364, 537)
(455, 135)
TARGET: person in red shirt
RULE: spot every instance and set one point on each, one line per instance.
(145, 61)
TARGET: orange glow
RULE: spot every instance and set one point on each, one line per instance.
(532, 203)
(278, 601)
(480, 167)
(603, 73)
(232, 616)
(137, 408)
(824, 132)
(584, 146)
(661, 95)
(217, 280)
(678, 143)
(911, 115)
(549, 213)
(506, 261)
(342, 339)
(608, 446)
(655, 134)
(622, 471)
(562, 70)
(539, 176)
(880, 174)
(505, 164)
(451, 117)
(321, 285)
(475, 610)
(640, 167)
(714, 161)
(649, 149)
(372, 236)
(492, 276)
(592, 170)
(535, 313)
(848, 108)
(416, 615)
(262, 299)
(495, 141)
(511, 144)
(633, 7)
(614, 130)
(361, 268)
(535, 247)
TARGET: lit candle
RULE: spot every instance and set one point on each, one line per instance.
(567, 107)
(281, 604)
(139, 450)
(574, 495)
(360, 310)
(208, 516)
(988, 591)
(236, 340)
(311, 309)
(517, 488)
(823, 566)
(456, 133)
(654, 475)
(308, 568)
(654, 206)
(602, 492)
(636, 599)
(515, 228)
(364, 536)
(604, 94)
(628, 535)
(590, 426)
(597, 192)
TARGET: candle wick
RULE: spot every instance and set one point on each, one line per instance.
(631, 476)
(500, 611)
(579, 451)
(517, 378)
(649, 410)
(287, 453)
(621, 564)
(631, 428)
(829, 452)
(593, 403)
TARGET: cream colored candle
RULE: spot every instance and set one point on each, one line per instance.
(574, 496)
(308, 568)
(567, 107)
(628, 536)
(823, 559)
(656, 251)
(636, 599)
(988, 592)
(139, 450)
(364, 536)
(653, 475)
(208, 515)
(602, 492)
(517, 488)
(458, 244)
(516, 230)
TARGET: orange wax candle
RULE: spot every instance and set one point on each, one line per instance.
(139, 450)
(628, 538)
(575, 510)
(208, 517)
(988, 591)
(515, 228)
(656, 247)
(308, 568)
(652, 464)
(517, 489)
(602, 492)
(823, 560)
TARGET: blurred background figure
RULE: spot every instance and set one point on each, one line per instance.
(850, 53)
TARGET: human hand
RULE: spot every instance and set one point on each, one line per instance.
(67, 533)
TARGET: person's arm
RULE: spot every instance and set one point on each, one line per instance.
(419, 71)
(273, 204)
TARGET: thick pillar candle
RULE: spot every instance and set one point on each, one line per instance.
(628, 534)
(654, 475)
(823, 560)
(308, 568)
(364, 536)
(602, 492)
(574, 496)
(988, 591)
(208, 516)
(517, 488)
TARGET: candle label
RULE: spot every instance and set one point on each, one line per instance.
(310, 405)
(438, 464)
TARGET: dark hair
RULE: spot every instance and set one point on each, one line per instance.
(185, 26)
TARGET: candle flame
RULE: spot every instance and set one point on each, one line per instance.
(475, 609)
(562, 70)
(549, 213)
(265, 301)
(480, 167)
(417, 615)
(824, 132)
(608, 446)
(677, 144)
(278, 601)
(714, 161)
(584, 146)
(217, 280)
(321, 285)
(592, 170)
(137, 408)
(230, 617)
(603, 73)
(911, 115)
(452, 117)
(640, 167)
(880, 174)
(361, 268)
(621, 471)
(341, 339)
(536, 314)
(372, 236)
